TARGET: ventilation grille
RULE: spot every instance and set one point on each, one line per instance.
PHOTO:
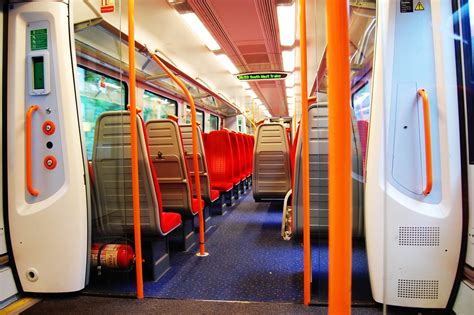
(418, 236)
(418, 289)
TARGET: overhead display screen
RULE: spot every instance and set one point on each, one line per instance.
(262, 76)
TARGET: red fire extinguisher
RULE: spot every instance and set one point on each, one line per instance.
(112, 256)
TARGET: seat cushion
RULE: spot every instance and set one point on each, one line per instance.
(214, 195)
(222, 186)
(195, 205)
(169, 221)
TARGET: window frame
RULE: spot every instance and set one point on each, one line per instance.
(97, 72)
(162, 96)
(125, 83)
(362, 86)
(218, 120)
(203, 122)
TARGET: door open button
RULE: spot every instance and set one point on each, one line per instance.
(50, 162)
(49, 128)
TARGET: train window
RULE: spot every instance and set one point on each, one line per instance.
(361, 102)
(199, 117)
(158, 107)
(99, 93)
(213, 123)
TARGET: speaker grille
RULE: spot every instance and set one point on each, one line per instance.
(418, 289)
(418, 236)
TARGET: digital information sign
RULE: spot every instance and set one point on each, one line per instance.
(261, 76)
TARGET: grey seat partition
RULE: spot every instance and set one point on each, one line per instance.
(186, 132)
(318, 157)
(271, 171)
(167, 153)
(111, 163)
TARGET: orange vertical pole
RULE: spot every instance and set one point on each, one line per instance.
(202, 248)
(134, 147)
(305, 154)
(340, 168)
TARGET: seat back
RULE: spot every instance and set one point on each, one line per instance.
(219, 154)
(272, 174)
(293, 155)
(111, 165)
(235, 146)
(167, 152)
(243, 156)
(186, 132)
(319, 166)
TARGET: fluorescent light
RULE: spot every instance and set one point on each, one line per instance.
(200, 30)
(290, 80)
(286, 24)
(245, 85)
(288, 60)
(226, 62)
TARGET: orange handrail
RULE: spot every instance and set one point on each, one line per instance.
(428, 155)
(29, 168)
(134, 148)
(340, 161)
(202, 248)
(305, 155)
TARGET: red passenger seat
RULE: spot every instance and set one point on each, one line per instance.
(243, 157)
(236, 153)
(293, 153)
(363, 126)
(219, 160)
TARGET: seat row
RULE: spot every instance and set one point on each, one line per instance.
(229, 160)
(168, 203)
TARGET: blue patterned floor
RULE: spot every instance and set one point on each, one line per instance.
(248, 261)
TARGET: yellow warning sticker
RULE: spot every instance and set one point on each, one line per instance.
(419, 6)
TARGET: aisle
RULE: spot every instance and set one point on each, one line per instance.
(248, 260)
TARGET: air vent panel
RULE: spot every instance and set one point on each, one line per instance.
(418, 289)
(418, 235)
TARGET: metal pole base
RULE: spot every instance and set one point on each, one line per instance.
(203, 255)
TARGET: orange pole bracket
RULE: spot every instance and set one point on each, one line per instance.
(202, 248)
(29, 162)
(134, 148)
(428, 154)
(305, 156)
(340, 157)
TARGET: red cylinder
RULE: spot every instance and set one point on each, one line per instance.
(113, 256)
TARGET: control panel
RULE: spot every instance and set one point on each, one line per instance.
(46, 171)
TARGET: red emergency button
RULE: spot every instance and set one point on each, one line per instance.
(50, 162)
(49, 128)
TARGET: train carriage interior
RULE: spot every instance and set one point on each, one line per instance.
(237, 156)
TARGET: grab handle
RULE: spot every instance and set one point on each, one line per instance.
(427, 126)
(29, 176)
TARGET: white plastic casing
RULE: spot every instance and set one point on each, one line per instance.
(49, 233)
